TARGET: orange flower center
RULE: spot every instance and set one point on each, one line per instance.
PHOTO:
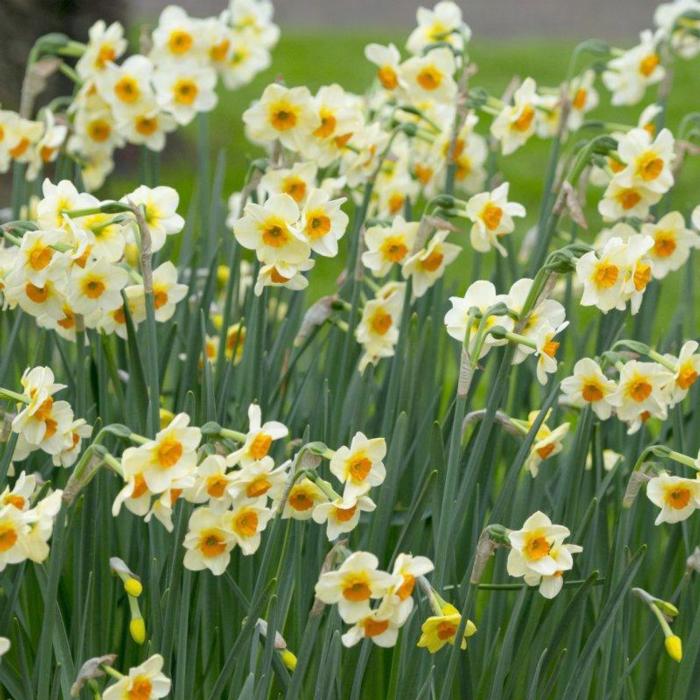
(8, 537)
(258, 487)
(650, 167)
(387, 77)
(394, 248)
(317, 224)
(211, 543)
(283, 116)
(169, 452)
(40, 256)
(545, 451)
(648, 64)
(628, 199)
(328, 124)
(550, 348)
(664, 244)
(433, 261)
(524, 121)
(140, 486)
(216, 485)
(260, 445)
(246, 523)
(185, 91)
(127, 89)
(429, 78)
(491, 216)
(93, 287)
(99, 130)
(359, 467)
(592, 391)
(687, 376)
(300, 500)
(180, 42)
(406, 588)
(356, 588)
(446, 630)
(275, 232)
(146, 125)
(605, 275)
(639, 390)
(678, 497)
(37, 294)
(381, 322)
(536, 547)
(374, 628)
(642, 275)
(344, 514)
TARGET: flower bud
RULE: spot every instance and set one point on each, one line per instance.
(674, 647)
(137, 629)
(133, 587)
(288, 659)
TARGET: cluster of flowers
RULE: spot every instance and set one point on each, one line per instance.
(626, 260)
(358, 581)
(483, 319)
(27, 515)
(80, 259)
(298, 215)
(42, 423)
(641, 391)
(147, 96)
(237, 494)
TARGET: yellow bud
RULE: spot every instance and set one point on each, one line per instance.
(133, 587)
(131, 253)
(137, 628)
(218, 321)
(165, 417)
(288, 659)
(674, 647)
(222, 274)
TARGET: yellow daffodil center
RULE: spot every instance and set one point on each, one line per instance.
(246, 523)
(146, 126)
(687, 375)
(127, 89)
(406, 588)
(677, 497)
(639, 389)
(491, 215)
(446, 630)
(283, 116)
(211, 543)
(664, 244)
(394, 248)
(104, 56)
(93, 286)
(592, 390)
(628, 198)
(536, 546)
(141, 689)
(275, 232)
(318, 224)
(99, 130)
(579, 101)
(550, 348)
(356, 587)
(13, 499)
(260, 446)
(169, 452)
(387, 77)
(524, 121)
(300, 499)
(328, 124)
(642, 276)
(380, 322)
(433, 261)
(344, 514)
(374, 628)
(216, 485)
(180, 42)
(429, 78)
(358, 467)
(605, 274)
(40, 256)
(648, 64)
(185, 91)
(649, 166)
(8, 536)
(258, 487)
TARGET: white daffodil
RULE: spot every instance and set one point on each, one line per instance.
(342, 514)
(588, 385)
(640, 390)
(479, 297)
(492, 216)
(442, 23)
(160, 212)
(105, 45)
(353, 585)
(185, 90)
(550, 586)
(531, 547)
(302, 499)
(389, 245)
(296, 181)
(360, 466)
(387, 59)
(427, 266)
(271, 231)
(672, 243)
(323, 222)
(127, 87)
(258, 440)
(381, 625)
(516, 122)
(208, 541)
(284, 114)
(676, 496)
(648, 160)
(146, 681)
(429, 76)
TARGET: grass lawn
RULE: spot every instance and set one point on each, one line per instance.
(316, 59)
